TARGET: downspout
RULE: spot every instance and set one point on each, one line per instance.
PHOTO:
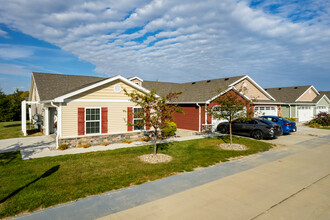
(205, 119)
(58, 130)
(199, 117)
(289, 110)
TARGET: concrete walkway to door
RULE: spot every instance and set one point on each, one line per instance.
(27, 144)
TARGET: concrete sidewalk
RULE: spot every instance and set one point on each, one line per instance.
(294, 187)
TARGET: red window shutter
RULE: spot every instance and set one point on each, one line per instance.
(104, 126)
(147, 122)
(129, 118)
(81, 121)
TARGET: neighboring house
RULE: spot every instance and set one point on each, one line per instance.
(300, 102)
(77, 107)
(197, 96)
(323, 104)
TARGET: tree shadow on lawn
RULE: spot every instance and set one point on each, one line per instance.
(46, 174)
(12, 125)
(6, 158)
(162, 146)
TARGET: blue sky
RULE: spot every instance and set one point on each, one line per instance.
(276, 42)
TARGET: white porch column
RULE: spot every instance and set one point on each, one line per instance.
(205, 119)
(23, 117)
(46, 120)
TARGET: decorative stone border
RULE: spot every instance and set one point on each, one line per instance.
(99, 139)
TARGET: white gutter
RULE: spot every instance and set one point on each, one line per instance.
(199, 117)
(58, 127)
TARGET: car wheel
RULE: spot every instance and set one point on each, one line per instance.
(223, 129)
(257, 135)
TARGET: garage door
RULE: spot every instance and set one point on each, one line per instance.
(265, 110)
(305, 113)
(216, 122)
(321, 109)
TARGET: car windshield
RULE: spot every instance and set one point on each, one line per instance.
(266, 122)
(284, 119)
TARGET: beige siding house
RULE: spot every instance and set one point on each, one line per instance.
(92, 109)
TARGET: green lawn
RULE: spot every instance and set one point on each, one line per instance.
(12, 129)
(39, 183)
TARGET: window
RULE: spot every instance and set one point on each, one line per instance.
(137, 119)
(93, 120)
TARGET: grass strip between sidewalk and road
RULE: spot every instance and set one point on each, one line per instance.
(39, 183)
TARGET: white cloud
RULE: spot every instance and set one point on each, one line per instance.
(13, 69)
(162, 40)
(3, 34)
(14, 51)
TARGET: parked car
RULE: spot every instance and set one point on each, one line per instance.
(256, 128)
(287, 126)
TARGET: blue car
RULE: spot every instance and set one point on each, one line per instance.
(287, 126)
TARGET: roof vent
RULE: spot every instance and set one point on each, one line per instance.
(226, 79)
(193, 83)
(295, 87)
(279, 88)
(208, 81)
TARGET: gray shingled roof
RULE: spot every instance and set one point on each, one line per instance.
(51, 85)
(288, 94)
(322, 93)
(199, 91)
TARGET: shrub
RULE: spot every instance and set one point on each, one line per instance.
(105, 143)
(321, 118)
(83, 144)
(169, 130)
(127, 141)
(291, 119)
(314, 125)
(146, 139)
(63, 146)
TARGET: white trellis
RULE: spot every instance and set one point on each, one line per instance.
(23, 114)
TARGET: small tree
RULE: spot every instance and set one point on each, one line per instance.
(232, 106)
(156, 112)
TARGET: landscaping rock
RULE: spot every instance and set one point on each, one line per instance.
(158, 158)
(233, 147)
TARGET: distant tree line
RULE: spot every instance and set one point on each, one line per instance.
(10, 105)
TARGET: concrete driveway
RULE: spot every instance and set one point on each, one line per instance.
(26, 144)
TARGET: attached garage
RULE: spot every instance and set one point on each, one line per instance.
(265, 110)
(322, 109)
(305, 113)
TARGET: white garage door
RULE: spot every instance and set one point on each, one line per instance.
(265, 110)
(321, 109)
(305, 113)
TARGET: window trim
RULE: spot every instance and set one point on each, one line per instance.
(100, 120)
(144, 127)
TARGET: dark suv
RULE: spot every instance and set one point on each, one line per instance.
(256, 128)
